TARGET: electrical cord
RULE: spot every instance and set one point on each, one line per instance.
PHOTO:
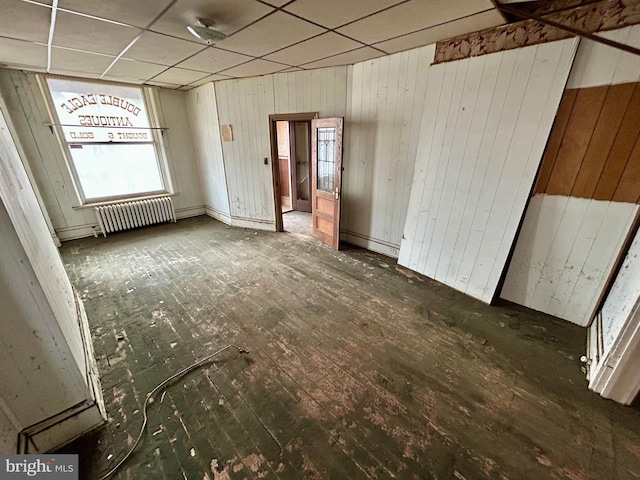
(157, 388)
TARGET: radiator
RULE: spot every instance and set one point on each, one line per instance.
(139, 213)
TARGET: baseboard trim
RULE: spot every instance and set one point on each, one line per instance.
(217, 214)
(255, 223)
(188, 212)
(370, 243)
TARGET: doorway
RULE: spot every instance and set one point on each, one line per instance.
(291, 154)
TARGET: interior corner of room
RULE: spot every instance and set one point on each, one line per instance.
(503, 163)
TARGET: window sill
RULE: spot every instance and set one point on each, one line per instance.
(124, 200)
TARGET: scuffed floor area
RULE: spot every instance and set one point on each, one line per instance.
(358, 369)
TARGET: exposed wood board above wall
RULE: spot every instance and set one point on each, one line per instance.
(462, 221)
(593, 151)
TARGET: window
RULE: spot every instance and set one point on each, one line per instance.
(107, 130)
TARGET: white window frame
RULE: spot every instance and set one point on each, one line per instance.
(151, 102)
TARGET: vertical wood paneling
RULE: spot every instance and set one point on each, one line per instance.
(572, 233)
(621, 150)
(623, 296)
(614, 348)
(598, 64)
(385, 111)
(527, 86)
(555, 139)
(246, 104)
(564, 254)
(205, 131)
(179, 143)
(628, 189)
(29, 114)
(602, 139)
(575, 141)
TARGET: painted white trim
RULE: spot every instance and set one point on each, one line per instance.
(617, 376)
(223, 217)
(370, 243)
(187, 212)
(256, 223)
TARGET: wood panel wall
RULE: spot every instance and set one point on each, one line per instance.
(207, 144)
(246, 104)
(382, 133)
(588, 187)
(614, 347)
(565, 251)
(594, 147)
(41, 349)
(486, 123)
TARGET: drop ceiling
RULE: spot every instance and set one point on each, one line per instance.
(146, 41)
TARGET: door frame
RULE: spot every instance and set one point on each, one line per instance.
(275, 167)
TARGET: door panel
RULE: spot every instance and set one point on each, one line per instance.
(326, 163)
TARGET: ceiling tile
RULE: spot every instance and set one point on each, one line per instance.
(254, 68)
(74, 73)
(22, 54)
(139, 13)
(442, 32)
(25, 21)
(186, 88)
(65, 59)
(410, 17)
(74, 31)
(347, 58)
(214, 60)
(292, 69)
(277, 31)
(135, 69)
(335, 13)
(277, 3)
(172, 86)
(229, 15)
(315, 48)
(209, 79)
(179, 76)
(155, 48)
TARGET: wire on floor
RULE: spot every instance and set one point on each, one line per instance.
(159, 387)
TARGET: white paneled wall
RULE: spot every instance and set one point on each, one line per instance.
(246, 104)
(615, 338)
(179, 146)
(565, 251)
(477, 159)
(205, 132)
(323, 91)
(598, 64)
(28, 111)
(27, 108)
(382, 131)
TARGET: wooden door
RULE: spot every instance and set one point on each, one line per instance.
(326, 164)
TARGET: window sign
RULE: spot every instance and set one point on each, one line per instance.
(94, 112)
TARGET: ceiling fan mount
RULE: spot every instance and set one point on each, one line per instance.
(203, 31)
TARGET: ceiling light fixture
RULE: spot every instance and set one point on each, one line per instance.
(204, 32)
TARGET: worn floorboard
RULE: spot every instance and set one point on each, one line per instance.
(359, 369)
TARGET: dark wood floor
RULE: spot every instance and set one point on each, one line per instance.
(358, 368)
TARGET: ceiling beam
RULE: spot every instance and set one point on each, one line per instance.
(575, 31)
